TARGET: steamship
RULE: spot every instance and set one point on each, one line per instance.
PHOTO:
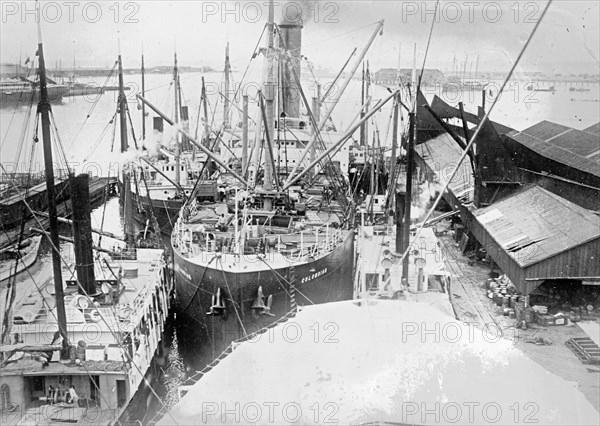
(160, 185)
(80, 349)
(21, 90)
(276, 246)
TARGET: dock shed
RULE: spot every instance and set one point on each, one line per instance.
(535, 235)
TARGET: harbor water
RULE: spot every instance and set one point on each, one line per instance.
(85, 127)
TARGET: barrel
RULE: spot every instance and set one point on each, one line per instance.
(498, 299)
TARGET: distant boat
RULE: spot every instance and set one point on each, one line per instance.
(534, 88)
(578, 89)
(26, 253)
(13, 90)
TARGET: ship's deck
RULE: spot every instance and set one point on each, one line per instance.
(316, 237)
(378, 256)
(34, 316)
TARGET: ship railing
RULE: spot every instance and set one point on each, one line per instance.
(326, 239)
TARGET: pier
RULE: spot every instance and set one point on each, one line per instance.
(13, 205)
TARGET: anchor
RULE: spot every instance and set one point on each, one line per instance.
(259, 307)
(217, 304)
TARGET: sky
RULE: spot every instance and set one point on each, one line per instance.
(493, 31)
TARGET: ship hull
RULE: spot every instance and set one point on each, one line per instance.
(166, 211)
(55, 95)
(326, 279)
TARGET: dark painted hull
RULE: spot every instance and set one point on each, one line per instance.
(326, 279)
(166, 211)
(55, 95)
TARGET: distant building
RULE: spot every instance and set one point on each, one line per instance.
(389, 76)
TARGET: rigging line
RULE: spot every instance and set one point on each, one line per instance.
(102, 134)
(93, 107)
(189, 302)
(104, 202)
(131, 127)
(233, 302)
(51, 311)
(16, 108)
(476, 133)
(58, 140)
(254, 54)
(437, 3)
(72, 272)
(24, 130)
(277, 274)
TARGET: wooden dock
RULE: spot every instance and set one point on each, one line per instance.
(99, 186)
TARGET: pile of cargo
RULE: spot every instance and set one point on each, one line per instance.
(505, 295)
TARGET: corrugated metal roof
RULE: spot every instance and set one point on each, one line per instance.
(442, 155)
(536, 224)
(594, 129)
(579, 149)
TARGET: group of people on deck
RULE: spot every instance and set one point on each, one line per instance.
(56, 395)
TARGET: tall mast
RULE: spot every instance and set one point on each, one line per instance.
(392, 178)
(176, 120)
(143, 104)
(269, 92)
(206, 137)
(367, 94)
(44, 110)
(126, 193)
(244, 135)
(362, 102)
(407, 203)
(226, 101)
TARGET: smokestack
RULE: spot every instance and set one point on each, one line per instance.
(82, 233)
(291, 41)
(157, 124)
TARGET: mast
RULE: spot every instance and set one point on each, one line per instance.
(269, 92)
(176, 120)
(143, 105)
(407, 202)
(244, 135)
(367, 94)
(226, 101)
(362, 102)
(326, 114)
(44, 110)
(126, 192)
(316, 110)
(206, 137)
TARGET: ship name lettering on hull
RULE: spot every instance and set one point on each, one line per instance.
(313, 276)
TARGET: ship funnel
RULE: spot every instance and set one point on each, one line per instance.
(157, 124)
(291, 44)
(82, 233)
